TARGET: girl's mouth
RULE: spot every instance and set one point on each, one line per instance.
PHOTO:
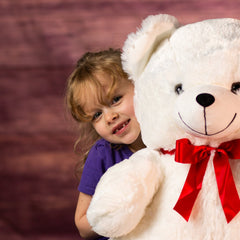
(121, 127)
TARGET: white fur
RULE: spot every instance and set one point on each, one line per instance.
(153, 30)
(126, 196)
(134, 200)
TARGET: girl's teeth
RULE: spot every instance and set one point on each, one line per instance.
(120, 127)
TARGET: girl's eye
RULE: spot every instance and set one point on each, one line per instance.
(116, 99)
(235, 87)
(96, 116)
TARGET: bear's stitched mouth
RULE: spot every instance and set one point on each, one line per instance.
(206, 133)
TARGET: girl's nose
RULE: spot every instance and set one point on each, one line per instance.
(111, 116)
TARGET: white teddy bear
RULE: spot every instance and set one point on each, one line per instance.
(185, 184)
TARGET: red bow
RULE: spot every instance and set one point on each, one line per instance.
(198, 156)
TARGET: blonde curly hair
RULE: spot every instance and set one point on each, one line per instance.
(84, 75)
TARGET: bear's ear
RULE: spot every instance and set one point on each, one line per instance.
(139, 46)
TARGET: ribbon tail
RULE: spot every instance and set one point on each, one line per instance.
(185, 204)
(191, 189)
(226, 187)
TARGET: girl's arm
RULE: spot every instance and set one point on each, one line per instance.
(81, 221)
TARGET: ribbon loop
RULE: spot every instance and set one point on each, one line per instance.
(198, 157)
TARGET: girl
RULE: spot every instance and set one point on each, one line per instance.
(100, 98)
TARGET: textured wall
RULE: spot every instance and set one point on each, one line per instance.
(40, 42)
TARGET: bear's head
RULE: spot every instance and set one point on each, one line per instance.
(187, 80)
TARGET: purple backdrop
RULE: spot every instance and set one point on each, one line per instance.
(40, 42)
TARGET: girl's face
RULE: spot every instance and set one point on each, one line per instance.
(116, 121)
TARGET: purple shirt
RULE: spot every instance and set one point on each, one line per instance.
(101, 157)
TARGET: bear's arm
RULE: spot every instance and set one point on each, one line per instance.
(123, 193)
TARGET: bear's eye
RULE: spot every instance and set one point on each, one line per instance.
(235, 87)
(179, 88)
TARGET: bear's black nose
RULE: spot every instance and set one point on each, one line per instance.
(205, 99)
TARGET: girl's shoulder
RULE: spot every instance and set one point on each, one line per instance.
(100, 150)
(101, 145)
(105, 149)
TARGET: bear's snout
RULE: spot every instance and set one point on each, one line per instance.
(205, 99)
